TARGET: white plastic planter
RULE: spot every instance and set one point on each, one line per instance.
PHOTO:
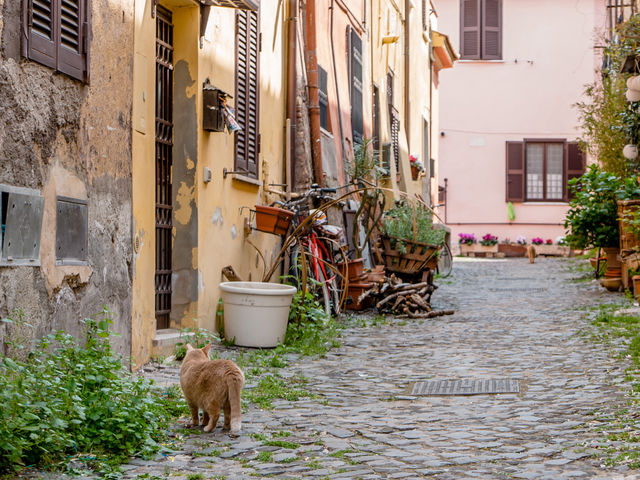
(256, 313)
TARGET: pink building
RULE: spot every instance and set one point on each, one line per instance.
(508, 128)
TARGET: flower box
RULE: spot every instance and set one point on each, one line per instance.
(512, 249)
(553, 250)
(477, 250)
(272, 219)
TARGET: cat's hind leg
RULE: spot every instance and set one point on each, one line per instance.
(195, 419)
(227, 415)
(205, 418)
(213, 409)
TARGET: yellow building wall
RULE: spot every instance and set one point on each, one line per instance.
(388, 18)
(209, 215)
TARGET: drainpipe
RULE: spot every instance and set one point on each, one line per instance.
(335, 78)
(407, 115)
(292, 21)
(313, 91)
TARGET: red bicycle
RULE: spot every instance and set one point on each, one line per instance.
(319, 246)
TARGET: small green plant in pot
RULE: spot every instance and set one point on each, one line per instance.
(592, 219)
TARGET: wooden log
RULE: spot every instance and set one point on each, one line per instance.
(392, 296)
(432, 314)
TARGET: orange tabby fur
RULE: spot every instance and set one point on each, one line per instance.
(210, 385)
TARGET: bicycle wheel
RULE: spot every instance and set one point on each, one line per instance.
(316, 286)
(445, 262)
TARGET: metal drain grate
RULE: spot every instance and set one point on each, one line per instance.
(466, 387)
(518, 289)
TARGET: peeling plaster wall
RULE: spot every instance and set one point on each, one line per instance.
(62, 137)
(208, 220)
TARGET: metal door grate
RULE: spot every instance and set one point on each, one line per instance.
(164, 160)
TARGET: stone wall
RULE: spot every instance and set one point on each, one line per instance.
(61, 137)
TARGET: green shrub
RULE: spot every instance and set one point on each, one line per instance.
(69, 398)
(592, 219)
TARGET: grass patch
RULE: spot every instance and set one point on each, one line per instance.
(281, 444)
(622, 429)
(271, 387)
(265, 457)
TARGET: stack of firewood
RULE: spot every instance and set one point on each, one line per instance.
(399, 298)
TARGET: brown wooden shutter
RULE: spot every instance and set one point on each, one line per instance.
(247, 146)
(515, 172)
(470, 29)
(355, 69)
(40, 32)
(72, 31)
(492, 30)
(575, 165)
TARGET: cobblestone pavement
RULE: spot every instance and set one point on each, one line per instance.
(513, 320)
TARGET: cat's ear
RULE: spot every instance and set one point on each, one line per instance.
(206, 348)
(189, 347)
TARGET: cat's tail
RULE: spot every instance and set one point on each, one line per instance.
(234, 384)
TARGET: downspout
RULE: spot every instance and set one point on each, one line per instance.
(335, 78)
(407, 114)
(292, 21)
(312, 85)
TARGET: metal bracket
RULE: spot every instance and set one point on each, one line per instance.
(226, 172)
(154, 4)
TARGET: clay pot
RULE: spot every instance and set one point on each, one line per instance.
(611, 284)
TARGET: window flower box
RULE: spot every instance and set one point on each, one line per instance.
(553, 250)
(477, 250)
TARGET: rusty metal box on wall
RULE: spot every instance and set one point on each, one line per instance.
(214, 102)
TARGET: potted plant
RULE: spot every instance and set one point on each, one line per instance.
(488, 245)
(410, 238)
(592, 219)
(417, 168)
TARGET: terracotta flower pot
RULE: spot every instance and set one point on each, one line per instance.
(272, 219)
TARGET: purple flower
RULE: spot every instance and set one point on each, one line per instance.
(466, 238)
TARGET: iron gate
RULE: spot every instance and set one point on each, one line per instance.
(164, 160)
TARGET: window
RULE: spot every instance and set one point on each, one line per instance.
(323, 98)
(56, 34)
(538, 170)
(481, 29)
(355, 69)
(21, 223)
(247, 143)
(376, 120)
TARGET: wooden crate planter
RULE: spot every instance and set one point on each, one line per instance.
(553, 250)
(628, 241)
(415, 259)
(477, 250)
(512, 249)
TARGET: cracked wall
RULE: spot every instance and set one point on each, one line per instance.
(65, 138)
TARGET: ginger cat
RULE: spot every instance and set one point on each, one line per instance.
(210, 385)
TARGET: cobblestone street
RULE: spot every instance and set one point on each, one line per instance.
(513, 320)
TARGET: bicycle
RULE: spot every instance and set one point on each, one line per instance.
(320, 244)
(445, 261)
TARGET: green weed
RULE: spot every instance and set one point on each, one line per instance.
(72, 396)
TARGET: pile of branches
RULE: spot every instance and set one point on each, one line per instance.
(403, 299)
